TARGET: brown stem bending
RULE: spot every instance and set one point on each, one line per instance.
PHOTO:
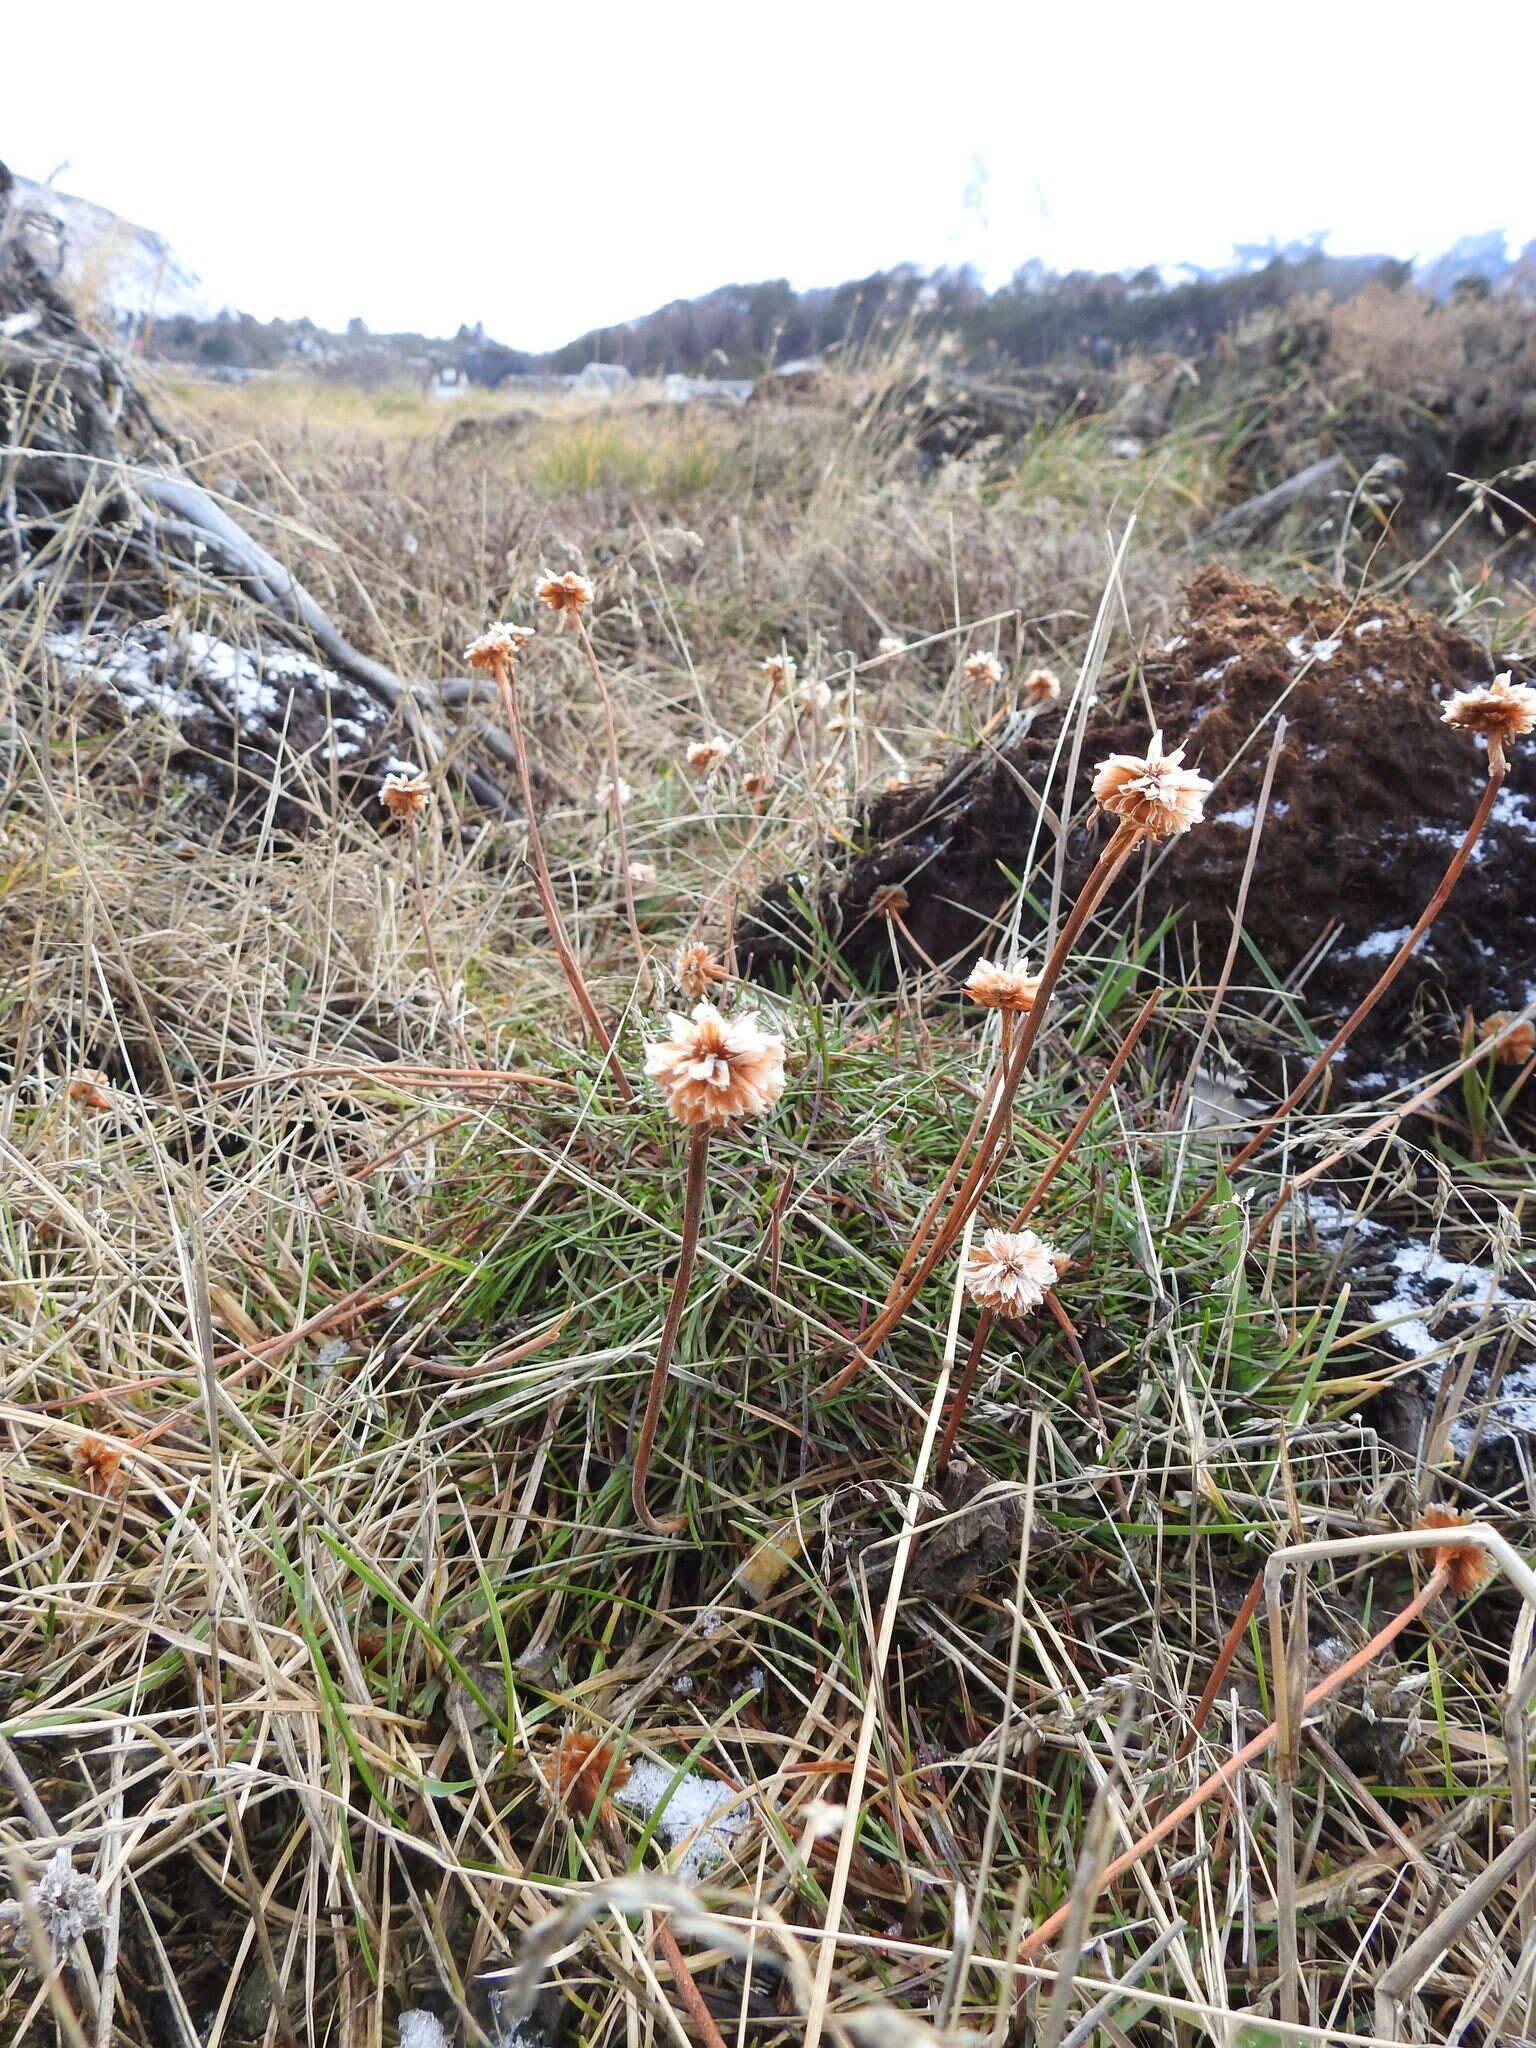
(693, 1211)
(616, 785)
(506, 682)
(906, 1288)
(1368, 1002)
(1433, 1587)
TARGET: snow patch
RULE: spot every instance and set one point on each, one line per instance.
(700, 1816)
(1300, 649)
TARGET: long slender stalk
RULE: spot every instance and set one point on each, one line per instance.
(616, 784)
(693, 1211)
(905, 1290)
(1368, 1002)
(506, 682)
(1432, 1588)
(962, 1394)
(413, 832)
(1090, 1110)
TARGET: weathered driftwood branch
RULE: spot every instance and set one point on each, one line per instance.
(1256, 515)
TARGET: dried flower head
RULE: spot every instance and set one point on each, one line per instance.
(757, 783)
(714, 1069)
(1466, 1564)
(780, 671)
(889, 646)
(697, 972)
(86, 1091)
(889, 900)
(498, 646)
(612, 796)
(66, 1902)
(1012, 1272)
(99, 1463)
(1515, 1050)
(832, 781)
(1502, 711)
(983, 668)
(1153, 792)
(567, 596)
(406, 793)
(900, 780)
(814, 695)
(1041, 686)
(584, 1769)
(705, 756)
(642, 873)
(1002, 988)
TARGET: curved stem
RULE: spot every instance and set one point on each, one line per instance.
(693, 1211)
(1367, 1003)
(506, 681)
(1090, 1110)
(413, 830)
(962, 1394)
(615, 783)
(1433, 1586)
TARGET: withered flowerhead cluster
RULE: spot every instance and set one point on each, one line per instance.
(1519, 1046)
(1002, 988)
(1501, 711)
(1152, 791)
(713, 1069)
(1465, 1564)
(983, 668)
(1012, 1272)
(1041, 686)
(406, 793)
(498, 646)
(567, 596)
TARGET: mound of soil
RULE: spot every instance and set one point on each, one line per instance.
(1372, 794)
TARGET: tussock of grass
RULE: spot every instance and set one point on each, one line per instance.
(373, 1344)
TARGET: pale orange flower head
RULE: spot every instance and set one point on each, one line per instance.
(1002, 988)
(585, 1769)
(567, 596)
(1503, 711)
(780, 671)
(1152, 791)
(697, 972)
(1042, 686)
(498, 646)
(714, 1069)
(98, 1461)
(1012, 1271)
(88, 1091)
(889, 900)
(1518, 1047)
(406, 793)
(1466, 1564)
(705, 756)
(983, 668)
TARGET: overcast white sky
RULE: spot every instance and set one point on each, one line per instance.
(549, 171)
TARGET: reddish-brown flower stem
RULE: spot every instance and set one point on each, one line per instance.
(1368, 1002)
(1221, 1667)
(1433, 1587)
(1090, 1110)
(616, 784)
(693, 1212)
(960, 1399)
(904, 1290)
(506, 682)
(413, 833)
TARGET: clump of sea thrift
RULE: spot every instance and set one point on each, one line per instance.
(698, 971)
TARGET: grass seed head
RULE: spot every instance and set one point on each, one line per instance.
(498, 646)
(1466, 1564)
(713, 1069)
(1154, 792)
(1002, 988)
(1012, 1271)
